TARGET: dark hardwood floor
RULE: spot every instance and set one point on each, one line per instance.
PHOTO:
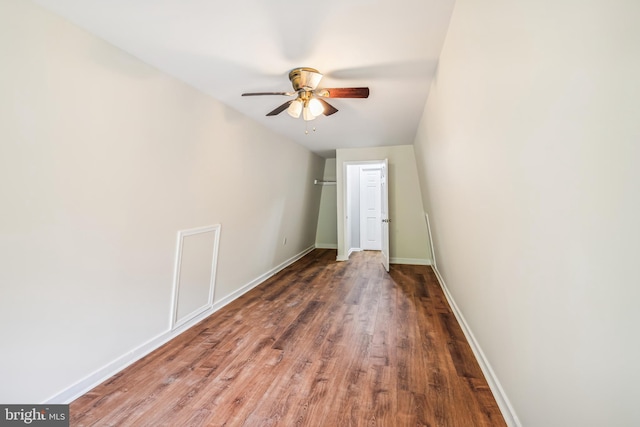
(322, 343)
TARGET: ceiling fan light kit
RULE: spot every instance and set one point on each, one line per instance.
(295, 108)
(309, 99)
(308, 106)
(315, 107)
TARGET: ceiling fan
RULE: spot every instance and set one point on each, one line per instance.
(309, 99)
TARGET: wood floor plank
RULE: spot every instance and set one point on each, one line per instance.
(322, 343)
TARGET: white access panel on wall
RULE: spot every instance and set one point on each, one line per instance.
(195, 273)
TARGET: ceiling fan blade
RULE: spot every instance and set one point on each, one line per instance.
(328, 108)
(268, 93)
(280, 109)
(344, 92)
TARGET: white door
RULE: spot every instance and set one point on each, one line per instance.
(370, 208)
(384, 220)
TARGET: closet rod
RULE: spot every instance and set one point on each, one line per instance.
(318, 182)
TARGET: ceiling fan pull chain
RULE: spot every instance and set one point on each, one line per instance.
(306, 128)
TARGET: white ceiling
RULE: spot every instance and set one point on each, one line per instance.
(225, 48)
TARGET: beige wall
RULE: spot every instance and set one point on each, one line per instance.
(327, 232)
(408, 238)
(528, 151)
(102, 160)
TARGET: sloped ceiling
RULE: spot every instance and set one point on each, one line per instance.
(227, 48)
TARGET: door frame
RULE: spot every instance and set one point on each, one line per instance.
(346, 203)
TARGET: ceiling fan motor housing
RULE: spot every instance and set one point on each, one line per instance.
(304, 78)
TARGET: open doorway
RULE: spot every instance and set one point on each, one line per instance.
(366, 213)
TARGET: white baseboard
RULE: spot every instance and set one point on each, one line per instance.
(327, 245)
(346, 257)
(81, 387)
(504, 404)
(110, 369)
(258, 280)
(410, 261)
